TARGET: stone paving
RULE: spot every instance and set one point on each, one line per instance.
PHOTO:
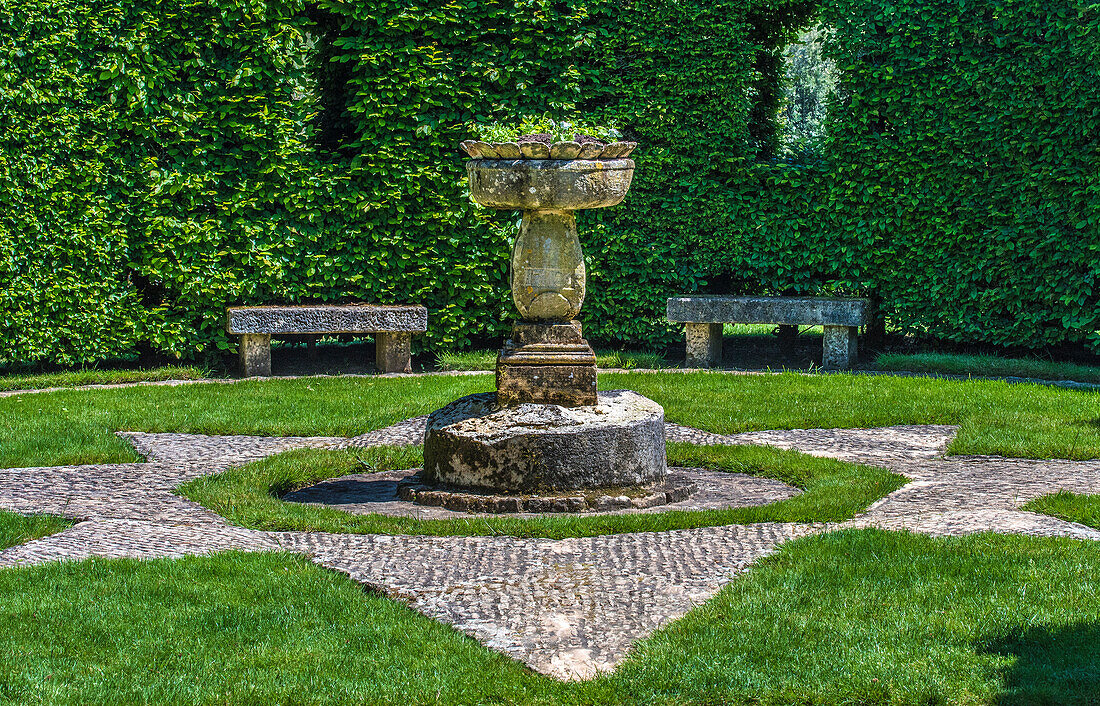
(568, 608)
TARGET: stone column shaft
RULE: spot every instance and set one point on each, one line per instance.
(548, 277)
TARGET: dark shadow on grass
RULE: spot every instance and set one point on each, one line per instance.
(1052, 666)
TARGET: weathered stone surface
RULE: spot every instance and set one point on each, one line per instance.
(255, 354)
(507, 150)
(534, 150)
(355, 318)
(484, 149)
(548, 275)
(565, 385)
(676, 487)
(704, 345)
(378, 493)
(547, 363)
(524, 333)
(562, 185)
(618, 150)
(591, 150)
(565, 150)
(475, 442)
(839, 347)
(393, 352)
(803, 311)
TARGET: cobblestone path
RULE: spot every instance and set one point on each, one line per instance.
(567, 608)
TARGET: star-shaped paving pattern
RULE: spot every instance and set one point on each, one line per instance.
(568, 608)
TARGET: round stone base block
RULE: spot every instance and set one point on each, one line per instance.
(476, 443)
(676, 487)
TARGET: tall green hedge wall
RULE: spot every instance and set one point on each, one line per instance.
(965, 164)
(164, 159)
(171, 157)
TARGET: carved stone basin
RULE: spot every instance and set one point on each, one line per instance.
(549, 184)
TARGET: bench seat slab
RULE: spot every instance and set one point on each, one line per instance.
(364, 318)
(793, 311)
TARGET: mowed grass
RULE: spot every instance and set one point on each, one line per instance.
(250, 495)
(17, 529)
(76, 426)
(859, 617)
(988, 366)
(74, 378)
(1073, 507)
(1031, 421)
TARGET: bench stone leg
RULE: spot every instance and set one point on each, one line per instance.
(255, 352)
(704, 345)
(393, 352)
(840, 347)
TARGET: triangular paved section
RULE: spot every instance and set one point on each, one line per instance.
(568, 608)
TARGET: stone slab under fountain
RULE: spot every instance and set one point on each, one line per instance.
(546, 432)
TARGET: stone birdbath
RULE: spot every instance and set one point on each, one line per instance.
(546, 440)
(547, 360)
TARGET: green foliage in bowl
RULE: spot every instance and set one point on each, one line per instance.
(545, 125)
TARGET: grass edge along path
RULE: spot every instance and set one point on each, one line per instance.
(19, 529)
(94, 376)
(249, 495)
(861, 616)
(1084, 509)
(987, 366)
(72, 427)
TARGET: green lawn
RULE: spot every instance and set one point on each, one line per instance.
(249, 495)
(988, 366)
(859, 617)
(74, 426)
(1082, 509)
(17, 529)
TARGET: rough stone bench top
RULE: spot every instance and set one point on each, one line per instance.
(805, 311)
(320, 318)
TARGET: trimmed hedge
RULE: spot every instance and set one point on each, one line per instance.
(968, 142)
(192, 155)
(162, 160)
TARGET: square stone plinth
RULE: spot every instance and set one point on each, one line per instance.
(547, 363)
(565, 385)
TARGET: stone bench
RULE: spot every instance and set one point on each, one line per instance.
(392, 326)
(704, 316)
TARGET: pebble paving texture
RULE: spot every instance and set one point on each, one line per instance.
(568, 608)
